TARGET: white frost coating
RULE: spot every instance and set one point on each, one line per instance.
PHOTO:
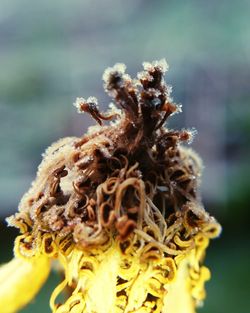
(155, 92)
(56, 146)
(144, 76)
(192, 133)
(161, 64)
(126, 77)
(197, 161)
(51, 156)
(147, 66)
(114, 110)
(112, 106)
(169, 89)
(94, 129)
(115, 122)
(118, 67)
(79, 101)
(178, 108)
(93, 100)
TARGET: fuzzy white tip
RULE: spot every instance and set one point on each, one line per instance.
(118, 67)
(161, 64)
(80, 101)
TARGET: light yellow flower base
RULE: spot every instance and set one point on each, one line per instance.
(109, 281)
(112, 282)
(20, 280)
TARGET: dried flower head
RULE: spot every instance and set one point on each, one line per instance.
(119, 208)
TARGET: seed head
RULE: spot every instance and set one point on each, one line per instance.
(126, 194)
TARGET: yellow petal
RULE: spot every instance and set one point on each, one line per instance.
(20, 280)
(112, 282)
(179, 298)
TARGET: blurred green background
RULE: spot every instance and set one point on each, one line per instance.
(53, 51)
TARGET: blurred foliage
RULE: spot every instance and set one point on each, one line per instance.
(52, 52)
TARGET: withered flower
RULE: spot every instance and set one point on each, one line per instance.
(118, 209)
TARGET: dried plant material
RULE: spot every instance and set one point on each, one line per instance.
(119, 208)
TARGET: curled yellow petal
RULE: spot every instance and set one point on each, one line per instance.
(20, 280)
(114, 282)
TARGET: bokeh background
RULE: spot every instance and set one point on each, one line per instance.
(53, 51)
